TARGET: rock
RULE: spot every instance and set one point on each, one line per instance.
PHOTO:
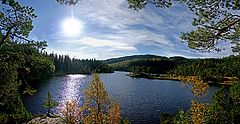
(46, 120)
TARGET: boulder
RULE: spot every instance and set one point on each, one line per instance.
(46, 120)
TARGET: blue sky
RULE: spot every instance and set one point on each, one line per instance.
(111, 29)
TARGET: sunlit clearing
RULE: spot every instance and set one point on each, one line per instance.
(72, 27)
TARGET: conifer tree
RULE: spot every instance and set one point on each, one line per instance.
(49, 104)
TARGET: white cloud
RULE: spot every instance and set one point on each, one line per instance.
(116, 15)
(127, 28)
(112, 44)
(108, 44)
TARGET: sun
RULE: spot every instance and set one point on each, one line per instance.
(72, 27)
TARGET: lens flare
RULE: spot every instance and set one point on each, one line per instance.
(72, 27)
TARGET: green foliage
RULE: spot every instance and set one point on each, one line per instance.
(140, 4)
(235, 103)
(215, 21)
(181, 117)
(210, 69)
(11, 106)
(219, 109)
(225, 107)
(21, 67)
(33, 66)
(49, 103)
(15, 21)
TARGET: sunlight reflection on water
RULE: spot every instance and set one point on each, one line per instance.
(71, 89)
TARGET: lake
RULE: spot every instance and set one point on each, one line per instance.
(142, 100)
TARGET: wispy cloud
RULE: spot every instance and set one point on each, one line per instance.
(111, 29)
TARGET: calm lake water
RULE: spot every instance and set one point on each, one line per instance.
(141, 100)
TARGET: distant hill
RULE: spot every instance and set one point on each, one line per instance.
(133, 57)
(153, 63)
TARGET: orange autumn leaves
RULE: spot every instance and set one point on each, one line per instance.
(198, 112)
(71, 113)
(96, 109)
(198, 109)
(198, 87)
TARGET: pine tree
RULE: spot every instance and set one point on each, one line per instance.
(49, 104)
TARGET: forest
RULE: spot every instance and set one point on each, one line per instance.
(146, 63)
(208, 69)
(66, 65)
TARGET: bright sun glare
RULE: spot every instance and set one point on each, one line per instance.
(72, 27)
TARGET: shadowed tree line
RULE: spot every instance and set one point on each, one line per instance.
(64, 64)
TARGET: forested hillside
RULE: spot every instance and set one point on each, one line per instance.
(145, 63)
(210, 69)
(126, 58)
(214, 69)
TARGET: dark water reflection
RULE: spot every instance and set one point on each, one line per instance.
(141, 100)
